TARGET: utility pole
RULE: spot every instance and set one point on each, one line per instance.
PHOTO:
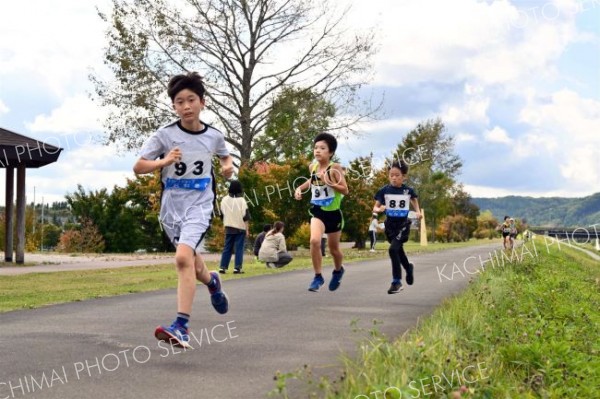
(42, 228)
(34, 213)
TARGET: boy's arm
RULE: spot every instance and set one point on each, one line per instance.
(301, 188)
(337, 181)
(144, 165)
(415, 203)
(226, 166)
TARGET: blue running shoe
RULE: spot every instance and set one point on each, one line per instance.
(176, 335)
(410, 278)
(336, 279)
(316, 284)
(218, 298)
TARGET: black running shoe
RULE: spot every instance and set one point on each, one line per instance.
(410, 278)
(395, 287)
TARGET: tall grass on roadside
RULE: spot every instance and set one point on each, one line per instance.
(528, 329)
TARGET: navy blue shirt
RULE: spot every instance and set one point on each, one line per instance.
(396, 200)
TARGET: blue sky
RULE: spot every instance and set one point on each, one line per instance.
(516, 83)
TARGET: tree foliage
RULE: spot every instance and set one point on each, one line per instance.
(127, 218)
(248, 50)
(86, 238)
(296, 117)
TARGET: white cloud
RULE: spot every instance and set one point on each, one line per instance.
(398, 124)
(57, 44)
(494, 192)
(564, 111)
(568, 122)
(75, 114)
(486, 42)
(464, 137)
(3, 108)
(581, 167)
(497, 135)
(472, 110)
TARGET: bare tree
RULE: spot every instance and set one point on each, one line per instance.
(247, 50)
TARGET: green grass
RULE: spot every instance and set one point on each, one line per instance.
(39, 289)
(524, 330)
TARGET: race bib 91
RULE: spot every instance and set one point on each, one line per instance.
(322, 195)
(192, 173)
(396, 205)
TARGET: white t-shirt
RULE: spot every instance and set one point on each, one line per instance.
(374, 224)
(188, 186)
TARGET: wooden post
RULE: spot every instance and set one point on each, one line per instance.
(8, 213)
(20, 253)
(423, 229)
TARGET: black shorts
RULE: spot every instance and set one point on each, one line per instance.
(333, 220)
(505, 234)
(397, 230)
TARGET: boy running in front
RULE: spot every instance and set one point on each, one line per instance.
(183, 152)
(394, 200)
(328, 187)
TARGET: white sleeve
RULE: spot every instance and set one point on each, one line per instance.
(220, 148)
(152, 148)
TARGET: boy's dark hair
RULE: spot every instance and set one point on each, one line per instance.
(506, 217)
(235, 188)
(329, 139)
(402, 166)
(190, 80)
(267, 227)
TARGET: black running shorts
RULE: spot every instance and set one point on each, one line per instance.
(333, 220)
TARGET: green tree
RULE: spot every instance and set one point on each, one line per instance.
(358, 205)
(433, 167)
(115, 216)
(295, 118)
(51, 235)
(238, 46)
(487, 225)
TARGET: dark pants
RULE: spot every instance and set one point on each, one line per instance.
(233, 241)
(397, 234)
(398, 257)
(373, 238)
(284, 259)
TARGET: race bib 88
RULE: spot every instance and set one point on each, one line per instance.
(396, 205)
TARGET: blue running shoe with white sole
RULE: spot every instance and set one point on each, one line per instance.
(336, 279)
(175, 334)
(218, 298)
(316, 283)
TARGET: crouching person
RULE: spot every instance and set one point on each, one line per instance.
(273, 250)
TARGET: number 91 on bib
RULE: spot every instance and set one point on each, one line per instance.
(322, 195)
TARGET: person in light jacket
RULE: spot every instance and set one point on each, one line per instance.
(273, 250)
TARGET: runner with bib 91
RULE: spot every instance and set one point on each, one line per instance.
(328, 187)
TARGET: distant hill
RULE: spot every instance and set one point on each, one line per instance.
(548, 212)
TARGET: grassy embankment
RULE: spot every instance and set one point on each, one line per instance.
(39, 289)
(527, 329)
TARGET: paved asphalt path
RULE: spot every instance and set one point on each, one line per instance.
(105, 348)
